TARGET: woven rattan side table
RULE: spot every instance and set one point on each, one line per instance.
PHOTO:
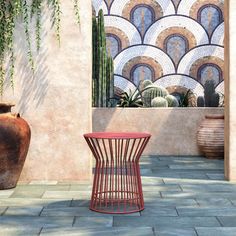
(117, 187)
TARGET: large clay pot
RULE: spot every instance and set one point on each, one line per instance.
(210, 136)
(14, 145)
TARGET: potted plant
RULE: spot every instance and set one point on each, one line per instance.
(14, 130)
(14, 144)
(210, 134)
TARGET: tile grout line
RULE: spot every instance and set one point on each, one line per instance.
(195, 199)
(154, 231)
(3, 213)
(230, 201)
(41, 211)
(73, 222)
(196, 231)
(40, 231)
(219, 221)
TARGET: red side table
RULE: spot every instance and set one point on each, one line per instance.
(117, 187)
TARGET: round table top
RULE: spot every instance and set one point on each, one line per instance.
(115, 135)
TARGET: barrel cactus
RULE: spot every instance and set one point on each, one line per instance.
(146, 83)
(172, 101)
(153, 92)
(159, 102)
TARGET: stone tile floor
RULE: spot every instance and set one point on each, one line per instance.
(184, 196)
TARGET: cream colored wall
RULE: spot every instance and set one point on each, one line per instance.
(57, 100)
(230, 39)
(173, 129)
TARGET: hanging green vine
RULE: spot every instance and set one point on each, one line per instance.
(12, 10)
(77, 11)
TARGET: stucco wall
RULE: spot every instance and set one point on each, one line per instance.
(173, 129)
(230, 91)
(56, 101)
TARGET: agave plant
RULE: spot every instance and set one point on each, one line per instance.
(131, 99)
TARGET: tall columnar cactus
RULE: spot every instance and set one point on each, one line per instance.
(103, 81)
(209, 90)
(200, 101)
(154, 91)
(110, 79)
(211, 97)
(95, 67)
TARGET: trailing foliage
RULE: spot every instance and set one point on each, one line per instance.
(24, 11)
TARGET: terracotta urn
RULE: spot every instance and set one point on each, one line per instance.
(14, 144)
(210, 136)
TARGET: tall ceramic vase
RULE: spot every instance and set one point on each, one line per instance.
(210, 136)
(14, 144)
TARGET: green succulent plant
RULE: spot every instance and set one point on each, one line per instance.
(154, 91)
(172, 101)
(159, 102)
(130, 99)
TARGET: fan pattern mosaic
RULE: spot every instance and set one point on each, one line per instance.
(178, 44)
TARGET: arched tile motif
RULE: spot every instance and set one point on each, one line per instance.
(154, 66)
(209, 72)
(100, 5)
(181, 22)
(118, 6)
(210, 16)
(141, 72)
(182, 31)
(123, 83)
(220, 88)
(218, 35)
(125, 26)
(182, 81)
(149, 51)
(176, 43)
(197, 53)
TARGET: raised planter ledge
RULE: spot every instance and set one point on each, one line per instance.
(173, 129)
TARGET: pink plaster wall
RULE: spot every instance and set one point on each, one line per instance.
(173, 129)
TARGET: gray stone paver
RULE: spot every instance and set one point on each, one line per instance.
(74, 211)
(207, 211)
(175, 232)
(170, 202)
(218, 231)
(27, 202)
(152, 210)
(106, 231)
(94, 222)
(6, 193)
(214, 202)
(66, 194)
(23, 211)
(35, 221)
(227, 221)
(20, 231)
(202, 195)
(160, 221)
(184, 196)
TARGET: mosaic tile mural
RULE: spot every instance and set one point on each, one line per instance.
(178, 44)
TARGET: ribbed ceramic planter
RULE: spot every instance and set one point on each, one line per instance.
(14, 145)
(210, 136)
